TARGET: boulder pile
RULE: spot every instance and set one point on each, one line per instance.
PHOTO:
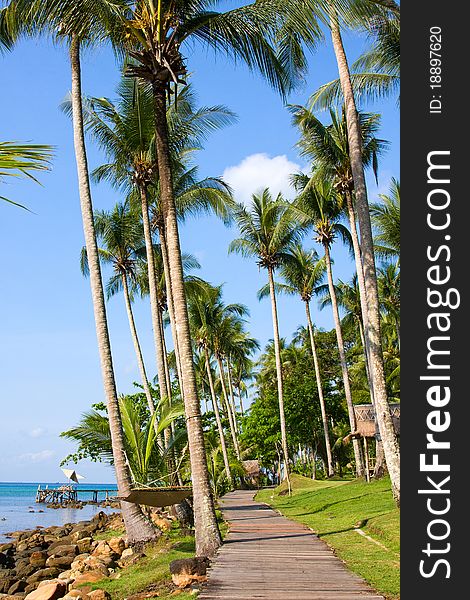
(62, 562)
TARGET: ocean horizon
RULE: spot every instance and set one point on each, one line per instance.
(19, 510)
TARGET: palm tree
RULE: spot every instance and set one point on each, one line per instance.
(386, 221)
(267, 231)
(319, 206)
(239, 347)
(22, 160)
(327, 146)
(243, 373)
(120, 233)
(331, 11)
(302, 274)
(85, 22)
(141, 433)
(202, 317)
(372, 322)
(125, 132)
(156, 35)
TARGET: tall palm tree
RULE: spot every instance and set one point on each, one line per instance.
(372, 322)
(125, 132)
(22, 160)
(202, 319)
(243, 373)
(156, 35)
(331, 12)
(302, 273)
(328, 147)
(348, 298)
(79, 22)
(319, 206)
(226, 332)
(238, 350)
(267, 231)
(120, 234)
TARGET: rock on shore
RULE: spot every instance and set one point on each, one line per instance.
(51, 563)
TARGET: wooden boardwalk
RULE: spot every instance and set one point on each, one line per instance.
(268, 557)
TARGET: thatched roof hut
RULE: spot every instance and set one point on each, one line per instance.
(365, 419)
(252, 468)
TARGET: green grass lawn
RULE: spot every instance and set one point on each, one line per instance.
(152, 572)
(333, 508)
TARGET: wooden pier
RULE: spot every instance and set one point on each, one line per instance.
(68, 493)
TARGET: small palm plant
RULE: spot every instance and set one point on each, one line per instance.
(147, 459)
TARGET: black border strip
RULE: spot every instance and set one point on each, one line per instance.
(424, 132)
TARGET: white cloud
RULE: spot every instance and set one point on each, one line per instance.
(259, 171)
(36, 457)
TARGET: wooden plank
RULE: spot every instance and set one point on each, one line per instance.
(267, 557)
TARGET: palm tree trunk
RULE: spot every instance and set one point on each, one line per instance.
(171, 310)
(240, 400)
(362, 294)
(171, 431)
(397, 326)
(165, 358)
(366, 361)
(138, 527)
(280, 387)
(380, 463)
(153, 290)
(380, 457)
(344, 366)
(326, 433)
(372, 324)
(227, 405)
(360, 282)
(232, 397)
(207, 532)
(217, 417)
(137, 348)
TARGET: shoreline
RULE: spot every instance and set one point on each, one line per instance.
(80, 504)
(19, 510)
(67, 556)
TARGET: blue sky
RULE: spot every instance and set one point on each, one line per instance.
(48, 355)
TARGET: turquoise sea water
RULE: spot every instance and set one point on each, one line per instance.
(18, 499)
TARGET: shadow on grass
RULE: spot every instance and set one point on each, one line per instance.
(186, 546)
(330, 504)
